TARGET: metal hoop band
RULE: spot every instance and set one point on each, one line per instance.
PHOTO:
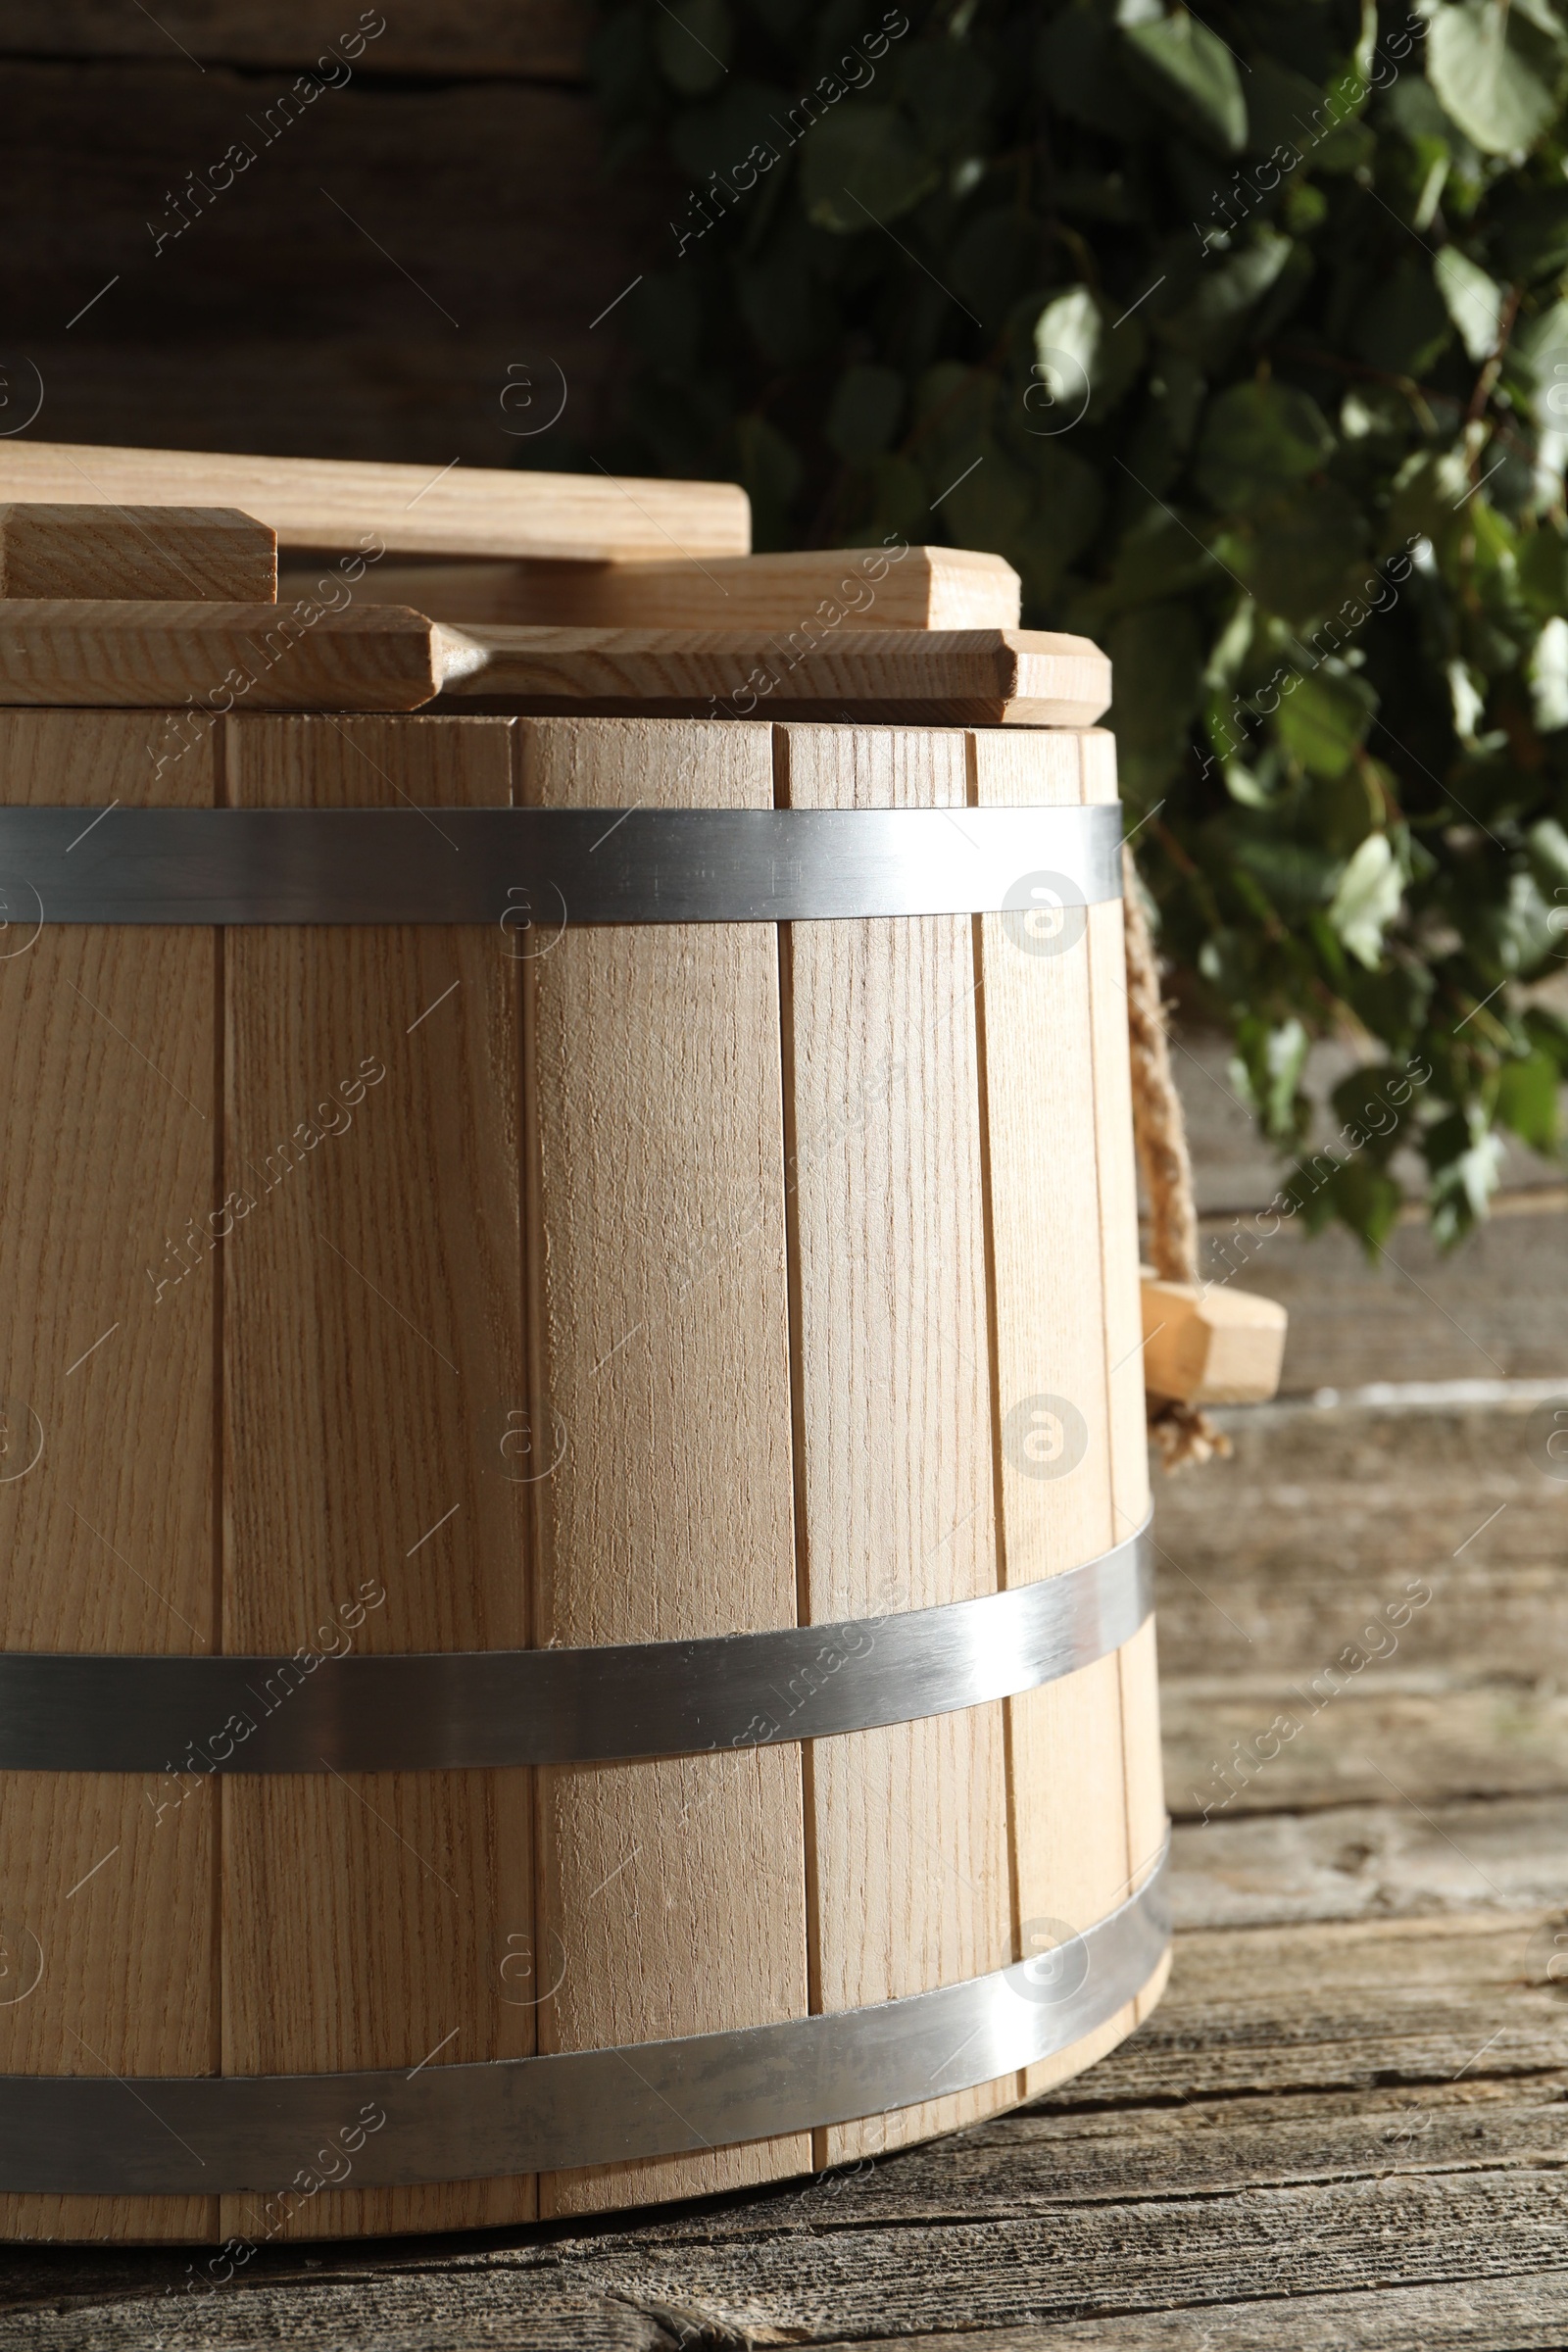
(170, 2135)
(443, 1711)
(546, 867)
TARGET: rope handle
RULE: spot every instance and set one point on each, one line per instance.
(1184, 1432)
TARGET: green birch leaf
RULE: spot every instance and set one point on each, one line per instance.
(1324, 723)
(1305, 552)
(1079, 347)
(1529, 1101)
(862, 167)
(1495, 73)
(1548, 673)
(1189, 70)
(1465, 1160)
(1472, 300)
(1369, 1201)
(1266, 1071)
(1367, 899)
(1257, 440)
(1208, 324)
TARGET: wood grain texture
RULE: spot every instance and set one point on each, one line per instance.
(910, 1885)
(107, 1882)
(1426, 1859)
(372, 1354)
(1138, 1669)
(166, 656)
(1061, 2156)
(868, 587)
(1323, 1520)
(672, 1894)
(401, 1109)
(1118, 1174)
(1362, 2005)
(1055, 1470)
(1444, 1730)
(181, 551)
(1290, 2176)
(333, 503)
(990, 677)
(1525, 2313)
(1212, 1345)
(375, 657)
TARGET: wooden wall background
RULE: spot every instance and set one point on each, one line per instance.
(465, 148)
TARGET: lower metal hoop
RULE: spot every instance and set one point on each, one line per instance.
(276, 2135)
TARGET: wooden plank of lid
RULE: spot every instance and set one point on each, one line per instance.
(303, 657)
(205, 553)
(411, 509)
(854, 587)
(978, 677)
(221, 658)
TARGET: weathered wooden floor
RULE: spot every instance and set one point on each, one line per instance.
(1345, 2127)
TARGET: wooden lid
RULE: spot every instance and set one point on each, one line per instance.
(148, 608)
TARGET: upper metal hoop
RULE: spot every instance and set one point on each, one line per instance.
(542, 868)
(458, 1710)
(390, 2127)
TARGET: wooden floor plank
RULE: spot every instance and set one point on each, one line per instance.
(1042, 2268)
(1343, 2006)
(1124, 2257)
(1400, 1860)
(1439, 1731)
(1525, 2312)
(1044, 2158)
(1496, 2315)
(1326, 1515)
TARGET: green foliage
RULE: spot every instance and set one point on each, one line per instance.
(1244, 338)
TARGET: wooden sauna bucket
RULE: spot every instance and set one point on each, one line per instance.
(516, 1285)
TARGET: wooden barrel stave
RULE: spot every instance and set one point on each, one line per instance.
(675, 1888)
(371, 1326)
(907, 1850)
(109, 1047)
